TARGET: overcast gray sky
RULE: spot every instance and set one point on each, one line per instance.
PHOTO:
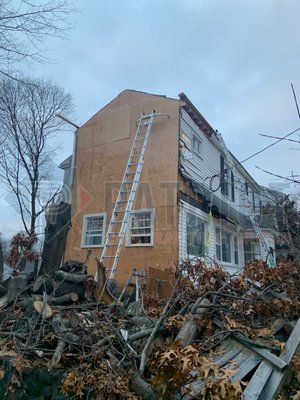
(235, 60)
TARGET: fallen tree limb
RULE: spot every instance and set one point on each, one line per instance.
(143, 334)
(157, 325)
(67, 276)
(57, 354)
(68, 298)
(142, 388)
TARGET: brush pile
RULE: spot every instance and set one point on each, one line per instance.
(60, 341)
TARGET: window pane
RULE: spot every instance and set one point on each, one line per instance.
(236, 250)
(226, 247)
(93, 230)
(195, 236)
(218, 251)
(140, 228)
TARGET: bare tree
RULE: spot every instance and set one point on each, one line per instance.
(28, 125)
(24, 27)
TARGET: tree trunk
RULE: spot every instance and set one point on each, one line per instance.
(1, 262)
(58, 217)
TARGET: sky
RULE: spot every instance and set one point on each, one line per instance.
(234, 59)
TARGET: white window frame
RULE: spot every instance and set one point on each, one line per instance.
(227, 180)
(152, 218)
(231, 262)
(197, 150)
(204, 234)
(84, 230)
(236, 253)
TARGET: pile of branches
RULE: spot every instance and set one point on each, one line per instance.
(146, 349)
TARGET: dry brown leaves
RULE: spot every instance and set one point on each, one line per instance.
(99, 374)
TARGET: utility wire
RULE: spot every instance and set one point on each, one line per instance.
(270, 145)
(295, 98)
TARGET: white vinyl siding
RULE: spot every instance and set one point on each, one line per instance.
(93, 230)
(206, 169)
(141, 228)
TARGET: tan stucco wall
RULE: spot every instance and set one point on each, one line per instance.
(103, 146)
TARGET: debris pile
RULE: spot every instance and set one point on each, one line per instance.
(215, 337)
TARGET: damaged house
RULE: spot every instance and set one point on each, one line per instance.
(194, 198)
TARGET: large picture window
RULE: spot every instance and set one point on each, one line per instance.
(195, 236)
(223, 246)
(93, 230)
(141, 228)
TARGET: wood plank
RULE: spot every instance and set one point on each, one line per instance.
(232, 349)
(246, 366)
(276, 379)
(257, 382)
(267, 355)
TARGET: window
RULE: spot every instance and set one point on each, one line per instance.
(227, 179)
(251, 250)
(195, 236)
(93, 230)
(236, 250)
(223, 246)
(141, 228)
(197, 144)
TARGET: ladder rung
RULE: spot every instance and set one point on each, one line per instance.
(109, 256)
(112, 233)
(134, 164)
(139, 147)
(116, 222)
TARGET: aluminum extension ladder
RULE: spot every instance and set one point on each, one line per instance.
(123, 205)
(265, 251)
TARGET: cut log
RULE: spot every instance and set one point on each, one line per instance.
(63, 332)
(190, 330)
(77, 318)
(67, 276)
(68, 298)
(42, 284)
(16, 288)
(44, 309)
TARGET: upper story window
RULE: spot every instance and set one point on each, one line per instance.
(141, 228)
(227, 179)
(93, 230)
(197, 145)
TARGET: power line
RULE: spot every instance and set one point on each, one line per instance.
(270, 145)
(295, 98)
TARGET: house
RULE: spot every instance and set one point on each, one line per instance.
(193, 200)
